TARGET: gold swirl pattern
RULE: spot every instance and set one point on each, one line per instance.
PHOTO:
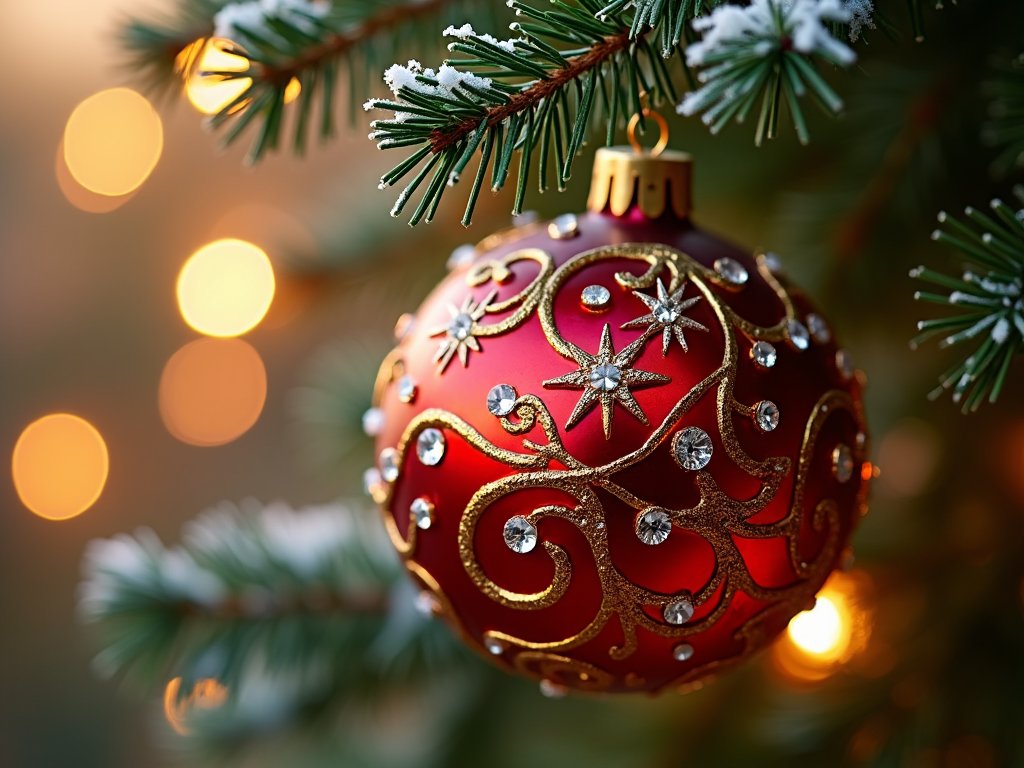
(717, 517)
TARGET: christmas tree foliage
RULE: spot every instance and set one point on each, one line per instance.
(280, 636)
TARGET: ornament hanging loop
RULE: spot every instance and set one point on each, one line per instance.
(662, 128)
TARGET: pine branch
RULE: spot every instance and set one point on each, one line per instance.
(314, 596)
(993, 316)
(571, 68)
(305, 46)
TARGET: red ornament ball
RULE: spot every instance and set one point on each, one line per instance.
(620, 452)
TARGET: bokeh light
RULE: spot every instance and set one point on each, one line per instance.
(60, 466)
(819, 641)
(80, 197)
(212, 391)
(226, 287)
(205, 694)
(211, 93)
(908, 457)
(112, 141)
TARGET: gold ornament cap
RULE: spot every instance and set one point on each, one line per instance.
(657, 180)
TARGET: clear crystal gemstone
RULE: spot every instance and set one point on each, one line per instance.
(819, 328)
(501, 399)
(406, 324)
(525, 218)
(520, 535)
(605, 377)
(422, 511)
(862, 440)
(461, 257)
(595, 297)
(564, 227)
(773, 262)
(373, 422)
(679, 612)
(763, 354)
(389, 464)
(842, 463)
(664, 313)
(494, 646)
(460, 326)
(766, 415)
(682, 652)
(407, 389)
(653, 526)
(371, 479)
(798, 334)
(430, 446)
(731, 270)
(426, 604)
(692, 448)
(552, 690)
(845, 364)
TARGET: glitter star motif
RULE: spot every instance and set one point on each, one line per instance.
(458, 333)
(667, 314)
(607, 377)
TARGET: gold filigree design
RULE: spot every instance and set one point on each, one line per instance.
(717, 517)
(561, 670)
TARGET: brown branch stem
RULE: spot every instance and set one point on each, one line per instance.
(542, 89)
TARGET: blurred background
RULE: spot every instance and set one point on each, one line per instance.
(917, 661)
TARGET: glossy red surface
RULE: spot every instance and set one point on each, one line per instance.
(524, 359)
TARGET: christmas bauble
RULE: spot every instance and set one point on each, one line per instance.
(618, 452)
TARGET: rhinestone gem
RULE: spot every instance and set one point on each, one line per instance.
(494, 646)
(407, 389)
(766, 415)
(460, 326)
(552, 690)
(862, 440)
(692, 448)
(373, 422)
(525, 218)
(682, 652)
(501, 399)
(605, 377)
(679, 612)
(430, 446)
(842, 463)
(422, 511)
(426, 604)
(773, 262)
(653, 526)
(520, 535)
(819, 328)
(371, 479)
(461, 257)
(798, 334)
(564, 227)
(664, 313)
(731, 270)
(845, 364)
(405, 325)
(763, 354)
(389, 464)
(595, 297)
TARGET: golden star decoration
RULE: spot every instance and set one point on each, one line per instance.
(667, 314)
(607, 377)
(459, 331)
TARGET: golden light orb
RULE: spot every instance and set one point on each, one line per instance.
(211, 93)
(212, 391)
(60, 466)
(225, 288)
(822, 631)
(205, 694)
(112, 142)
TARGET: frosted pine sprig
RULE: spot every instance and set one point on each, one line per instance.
(989, 296)
(765, 52)
(259, 21)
